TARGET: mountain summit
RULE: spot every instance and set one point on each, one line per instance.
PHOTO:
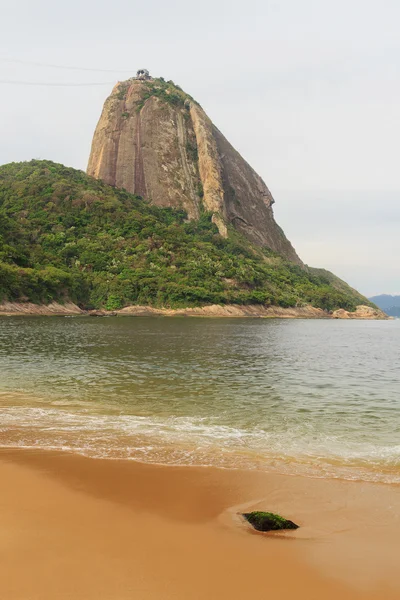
(155, 141)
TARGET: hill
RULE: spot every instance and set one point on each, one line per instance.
(389, 304)
(155, 140)
(65, 235)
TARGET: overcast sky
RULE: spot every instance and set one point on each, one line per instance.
(308, 91)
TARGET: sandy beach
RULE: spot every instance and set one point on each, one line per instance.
(73, 527)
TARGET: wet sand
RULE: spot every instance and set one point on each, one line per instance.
(79, 528)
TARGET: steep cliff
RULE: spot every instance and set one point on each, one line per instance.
(155, 141)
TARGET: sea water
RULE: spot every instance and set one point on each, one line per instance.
(313, 397)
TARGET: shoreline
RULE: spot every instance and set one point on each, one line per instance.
(256, 311)
(271, 465)
(90, 528)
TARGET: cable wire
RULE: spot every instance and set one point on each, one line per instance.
(48, 84)
(51, 66)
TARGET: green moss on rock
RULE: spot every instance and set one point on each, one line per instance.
(266, 521)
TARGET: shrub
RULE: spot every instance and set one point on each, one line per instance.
(66, 235)
(114, 302)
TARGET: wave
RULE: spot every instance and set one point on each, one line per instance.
(203, 441)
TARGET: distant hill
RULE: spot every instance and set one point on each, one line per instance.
(66, 235)
(389, 304)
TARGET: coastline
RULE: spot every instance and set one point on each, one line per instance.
(257, 311)
(95, 528)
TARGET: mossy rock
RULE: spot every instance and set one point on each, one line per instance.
(266, 521)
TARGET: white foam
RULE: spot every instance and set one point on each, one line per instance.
(196, 440)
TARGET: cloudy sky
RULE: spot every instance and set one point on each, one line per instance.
(307, 91)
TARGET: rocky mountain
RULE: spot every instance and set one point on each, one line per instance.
(169, 216)
(389, 304)
(155, 141)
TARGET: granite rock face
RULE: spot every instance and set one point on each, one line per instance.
(155, 141)
(361, 312)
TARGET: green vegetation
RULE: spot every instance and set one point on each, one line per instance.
(66, 235)
(122, 92)
(166, 91)
(266, 521)
(192, 152)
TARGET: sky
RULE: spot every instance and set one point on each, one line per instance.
(308, 92)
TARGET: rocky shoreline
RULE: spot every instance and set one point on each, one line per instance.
(214, 310)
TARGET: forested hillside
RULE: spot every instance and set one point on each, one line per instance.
(65, 235)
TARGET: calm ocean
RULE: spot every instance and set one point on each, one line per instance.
(320, 398)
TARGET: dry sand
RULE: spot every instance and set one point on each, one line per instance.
(83, 529)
